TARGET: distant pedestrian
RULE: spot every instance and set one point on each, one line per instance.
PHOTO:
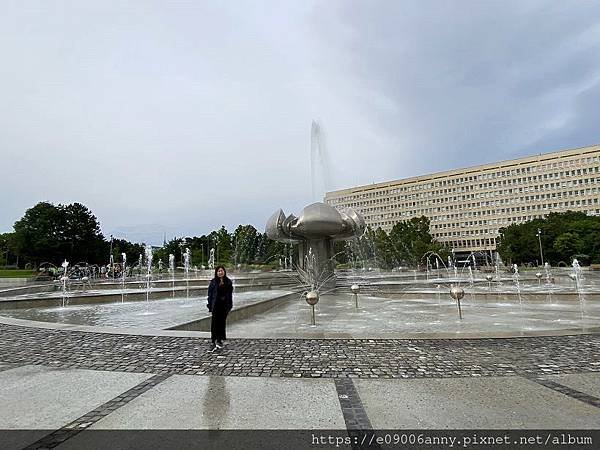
(220, 302)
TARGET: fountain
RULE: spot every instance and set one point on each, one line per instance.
(547, 272)
(64, 279)
(148, 251)
(315, 230)
(211, 259)
(576, 274)
(489, 279)
(186, 267)
(172, 272)
(123, 272)
(140, 265)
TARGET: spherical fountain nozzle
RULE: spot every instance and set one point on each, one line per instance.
(538, 275)
(355, 288)
(457, 292)
(489, 277)
(312, 297)
(64, 278)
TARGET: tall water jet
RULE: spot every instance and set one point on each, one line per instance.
(319, 162)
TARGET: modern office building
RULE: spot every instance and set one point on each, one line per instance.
(468, 206)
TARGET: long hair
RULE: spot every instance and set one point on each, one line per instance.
(226, 280)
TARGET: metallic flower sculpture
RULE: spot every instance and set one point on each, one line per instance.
(317, 227)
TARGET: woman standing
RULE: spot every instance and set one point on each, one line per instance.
(220, 302)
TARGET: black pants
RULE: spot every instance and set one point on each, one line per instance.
(217, 325)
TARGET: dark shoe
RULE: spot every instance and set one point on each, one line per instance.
(219, 344)
(212, 348)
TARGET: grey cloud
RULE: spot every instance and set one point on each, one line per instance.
(197, 114)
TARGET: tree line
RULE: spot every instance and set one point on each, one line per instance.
(563, 237)
(52, 233)
(49, 233)
(405, 245)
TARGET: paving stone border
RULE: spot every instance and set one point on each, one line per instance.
(10, 366)
(310, 358)
(353, 410)
(78, 425)
(573, 393)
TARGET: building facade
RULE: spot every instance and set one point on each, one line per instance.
(467, 207)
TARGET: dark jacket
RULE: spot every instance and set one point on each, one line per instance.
(213, 292)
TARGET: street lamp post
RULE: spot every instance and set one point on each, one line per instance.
(539, 235)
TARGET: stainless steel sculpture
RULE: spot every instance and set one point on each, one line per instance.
(315, 230)
(355, 288)
(312, 298)
(457, 293)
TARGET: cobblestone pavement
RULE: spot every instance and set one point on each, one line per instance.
(363, 358)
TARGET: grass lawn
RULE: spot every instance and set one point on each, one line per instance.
(15, 273)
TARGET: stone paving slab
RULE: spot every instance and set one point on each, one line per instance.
(491, 403)
(193, 402)
(42, 398)
(583, 382)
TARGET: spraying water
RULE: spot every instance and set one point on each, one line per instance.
(172, 272)
(211, 259)
(124, 258)
(547, 272)
(319, 163)
(64, 280)
(186, 266)
(516, 279)
(148, 251)
(576, 276)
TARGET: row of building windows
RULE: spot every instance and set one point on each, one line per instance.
(514, 192)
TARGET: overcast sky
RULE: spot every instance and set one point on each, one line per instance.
(179, 117)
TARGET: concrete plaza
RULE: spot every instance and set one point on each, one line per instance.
(58, 380)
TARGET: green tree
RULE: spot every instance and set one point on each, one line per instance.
(245, 240)
(568, 244)
(82, 239)
(8, 250)
(411, 239)
(39, 234)
(563, 236)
